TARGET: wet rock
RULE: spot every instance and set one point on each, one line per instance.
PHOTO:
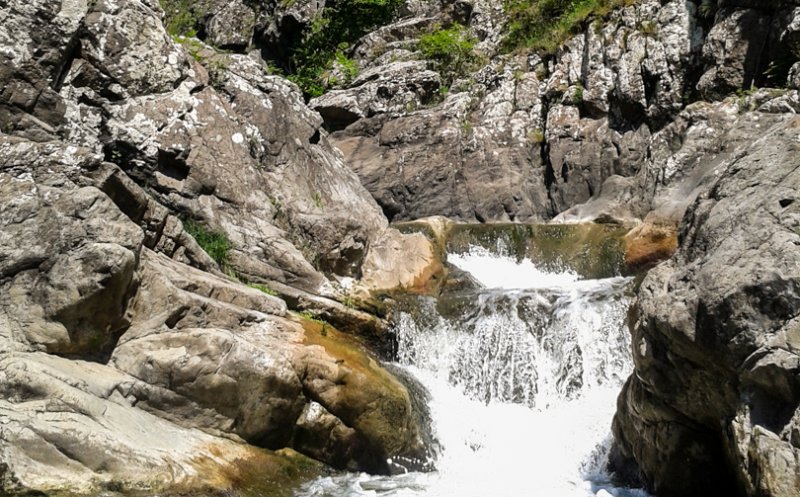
(401, 263)
(70, 426)
(649, 244)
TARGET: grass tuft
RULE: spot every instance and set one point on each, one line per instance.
(215, 243)
(544, 25)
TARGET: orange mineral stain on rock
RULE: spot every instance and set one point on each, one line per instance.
(247, 471)
(648, 244)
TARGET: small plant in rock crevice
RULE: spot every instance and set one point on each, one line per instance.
(347, 67)
(576, 98)
(263, 288)
(648, 28)
(536, 136)
(214, 243)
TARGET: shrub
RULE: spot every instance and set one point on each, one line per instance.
(332, 32)
(347, 66)
(451, 50)
(215, 243)
(577, 95)
(181, 17)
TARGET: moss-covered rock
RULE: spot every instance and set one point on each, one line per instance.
(351, 385)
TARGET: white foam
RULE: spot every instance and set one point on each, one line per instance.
(523, 387)
(498, 271)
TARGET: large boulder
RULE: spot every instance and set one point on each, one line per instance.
(69, 256)
(712, 408)
(71, 427)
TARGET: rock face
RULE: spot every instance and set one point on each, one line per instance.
(112, 337)
(219, 141)
(130, 359)
(124, 150)
(715, 337)
(575, 136)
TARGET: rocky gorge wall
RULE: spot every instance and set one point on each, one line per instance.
(159, 217)
(125, 148)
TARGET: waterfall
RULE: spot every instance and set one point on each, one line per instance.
(523, 375)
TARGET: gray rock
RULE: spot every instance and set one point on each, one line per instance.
(201, 360)
(230, 25)
(734, 51)
(37, 40)
(66, 289)
(437, 160)
(70, 426)
(389, 88)
(713, 337)
(129, 51)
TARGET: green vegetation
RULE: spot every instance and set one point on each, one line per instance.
(193, 46)
(648, 28)
(181, 17)
(331, 33)
(577, 95)
(263, 288)
(707, 9)
(451, 50)
(783, 58)
(546, 24)
(215, 243)
(321, 323)
(347, 67)
(350, 302)
(317, 198)
(536, 136)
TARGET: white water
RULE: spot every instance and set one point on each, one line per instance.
(523, 387)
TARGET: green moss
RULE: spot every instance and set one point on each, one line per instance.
(262, 472)
(544, 25)
(215, 243)
(451, 51)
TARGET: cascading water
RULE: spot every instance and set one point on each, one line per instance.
(523, 376)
